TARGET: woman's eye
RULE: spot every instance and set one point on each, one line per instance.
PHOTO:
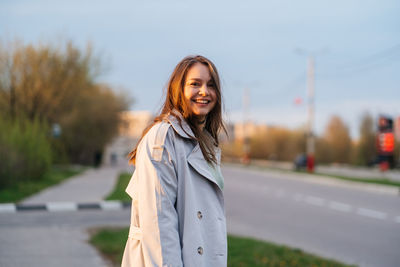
(211, 85)
(195, 84)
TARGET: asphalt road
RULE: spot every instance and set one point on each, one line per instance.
(350, 225)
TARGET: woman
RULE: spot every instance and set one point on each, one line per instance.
(178, 216)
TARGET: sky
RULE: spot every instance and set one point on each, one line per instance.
(259, 46)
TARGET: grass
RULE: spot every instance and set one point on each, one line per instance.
(119, 190)
(19, 191)
(246, 252)
(242, 252)
(110, 242)
(380, 181)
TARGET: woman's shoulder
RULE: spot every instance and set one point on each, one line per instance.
(157, 138)
(157, 134)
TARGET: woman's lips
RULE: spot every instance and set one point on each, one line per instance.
(201, 101)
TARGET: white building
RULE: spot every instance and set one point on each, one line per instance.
(132, 126)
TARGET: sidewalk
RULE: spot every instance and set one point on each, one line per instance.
(90, 186)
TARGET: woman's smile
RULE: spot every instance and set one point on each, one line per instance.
(201, 101)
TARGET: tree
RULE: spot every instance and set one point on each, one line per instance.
(92, 122)
(57, 84)
(336, 142)
(45, 81)
(366, 147)
(277, 143)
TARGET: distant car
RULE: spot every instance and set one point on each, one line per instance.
(300, 162)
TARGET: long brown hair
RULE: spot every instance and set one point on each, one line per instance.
(175, 101)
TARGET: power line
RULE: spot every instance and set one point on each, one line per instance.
(380, 59)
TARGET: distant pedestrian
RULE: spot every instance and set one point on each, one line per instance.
(178, 216)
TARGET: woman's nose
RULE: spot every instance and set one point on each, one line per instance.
(203, 90)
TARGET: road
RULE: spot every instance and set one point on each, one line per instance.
(350, 225)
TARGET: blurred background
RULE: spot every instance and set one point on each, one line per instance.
(262, 50)
(307, 85)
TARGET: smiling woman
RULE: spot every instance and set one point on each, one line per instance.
(178, 216)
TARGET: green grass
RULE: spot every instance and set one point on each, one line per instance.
(242, 252)
(19, 191)
(381, 181)
(119, 190)
(110, 242)
(247, 252)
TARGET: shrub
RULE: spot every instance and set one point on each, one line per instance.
(25, 151)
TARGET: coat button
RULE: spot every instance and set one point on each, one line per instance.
(200, 250)
(199, 215)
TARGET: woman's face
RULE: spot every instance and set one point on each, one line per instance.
(199, 90)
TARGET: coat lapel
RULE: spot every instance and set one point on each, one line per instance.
(197, 161)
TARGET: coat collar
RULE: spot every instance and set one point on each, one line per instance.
(180, 125)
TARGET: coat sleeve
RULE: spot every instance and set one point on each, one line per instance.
(156, 191)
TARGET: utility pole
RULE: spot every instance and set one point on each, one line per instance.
(310, 123)
(246, 140)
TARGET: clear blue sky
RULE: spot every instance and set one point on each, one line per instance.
(253, 43)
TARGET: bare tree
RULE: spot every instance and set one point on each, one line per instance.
(366, 147)
(336, 143)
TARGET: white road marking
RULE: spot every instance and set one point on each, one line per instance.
(317, 201)
(397, 219)
(61, 206)
(8, 207)
(371, 213)
(339, 206)
(111, 205)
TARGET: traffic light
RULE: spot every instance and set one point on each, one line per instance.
(385, 124)
(385, 142)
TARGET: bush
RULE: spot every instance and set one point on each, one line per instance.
(25, 152)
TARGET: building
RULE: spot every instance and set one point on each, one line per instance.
(131, 129)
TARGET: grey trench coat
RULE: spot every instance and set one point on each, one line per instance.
(177, 216)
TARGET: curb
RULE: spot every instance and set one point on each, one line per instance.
(64, 206)
(367, 187)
